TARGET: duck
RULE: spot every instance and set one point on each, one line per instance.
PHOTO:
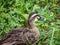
(24, 36)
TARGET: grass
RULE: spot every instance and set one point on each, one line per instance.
(14, 13)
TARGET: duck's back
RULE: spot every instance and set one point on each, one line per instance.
(20, 36)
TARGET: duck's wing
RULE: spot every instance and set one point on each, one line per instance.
(14, 35)
(5, 37)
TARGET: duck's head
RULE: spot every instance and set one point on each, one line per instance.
(34, 17)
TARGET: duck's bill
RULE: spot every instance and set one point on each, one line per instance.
(42, 19)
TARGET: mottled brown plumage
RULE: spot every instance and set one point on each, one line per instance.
(23, 36)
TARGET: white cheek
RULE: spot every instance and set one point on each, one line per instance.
(36, 19)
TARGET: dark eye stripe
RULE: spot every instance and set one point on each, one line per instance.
(33, 17)
(32, 14)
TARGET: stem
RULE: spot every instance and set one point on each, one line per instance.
(51, 41)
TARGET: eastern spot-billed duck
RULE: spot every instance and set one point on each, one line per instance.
(24, 36)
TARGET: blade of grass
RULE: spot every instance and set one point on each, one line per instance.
(51, 41)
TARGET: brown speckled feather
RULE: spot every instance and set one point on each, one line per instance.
(20, 36)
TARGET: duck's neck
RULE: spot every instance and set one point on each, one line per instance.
(33, 28)
(31, 25)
